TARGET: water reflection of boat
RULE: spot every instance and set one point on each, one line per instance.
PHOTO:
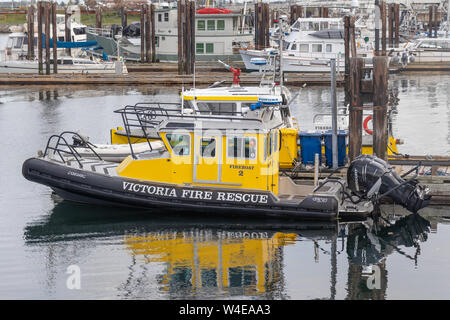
(209, 258)
(369, 244)
(68, 218)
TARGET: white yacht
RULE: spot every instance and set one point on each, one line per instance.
(309, 46)
(430, 50)
(17, 44)
(65, 65)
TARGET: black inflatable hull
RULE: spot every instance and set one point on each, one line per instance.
(93, 188)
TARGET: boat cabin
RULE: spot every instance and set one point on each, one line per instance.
(435, 44)
(213, 151)
(317, 24)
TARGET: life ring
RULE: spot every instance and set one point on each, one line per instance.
(366, 121)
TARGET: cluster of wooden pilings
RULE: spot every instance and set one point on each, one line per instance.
(46, 17)
(361, 82)
(148, 43)
(262, 24)
(433, 22)
(186, 36)
(264, 18)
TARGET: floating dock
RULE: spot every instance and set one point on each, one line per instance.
(157, 77)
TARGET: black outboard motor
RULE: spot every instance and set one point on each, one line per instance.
(368, 173)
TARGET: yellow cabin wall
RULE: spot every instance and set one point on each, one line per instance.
(235, 173)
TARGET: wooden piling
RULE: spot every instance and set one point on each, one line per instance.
(123, 17)
(148, 48)
(436, 21)
(391, 21)
(153, 37)
(142, 31)
(430, 21)
(187, 49)
(346, 53)
(67, 33)
(352, 37)
(377, 28)
(30, 26)
(55, 38)
(191, 41)
(383, 26)
(39, 21)
(397, 24)
(323, 12)
(259, 26)
(186, 36)
(296, 12)
(98, 17)
(180, 16)
(47, 13)
(266, 18)
(355, 116)
(380, 101)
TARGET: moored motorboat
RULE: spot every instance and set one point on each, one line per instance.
(209, 164)
(65, 64)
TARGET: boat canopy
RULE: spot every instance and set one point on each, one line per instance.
(213, 11)
(68, 44)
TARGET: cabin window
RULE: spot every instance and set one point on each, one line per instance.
(67, 62)
(200, 48)
(294, 46)
(159, 17)
(316, 47)
(220, 24)
(442, 45)
(166, 16)
(210, 48)
(329, 47)
(18, 43)
(201, 25)
(217, 107)
(211, 25)
(241, 148)
(180, 143)
(79, 31)
(428, 44)
(208, 147)
(304, 47)
(60, 38)
(157, 42)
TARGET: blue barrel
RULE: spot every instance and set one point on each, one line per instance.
(310, 144)
(341, 149)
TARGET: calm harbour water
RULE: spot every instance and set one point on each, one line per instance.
(127, 254)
